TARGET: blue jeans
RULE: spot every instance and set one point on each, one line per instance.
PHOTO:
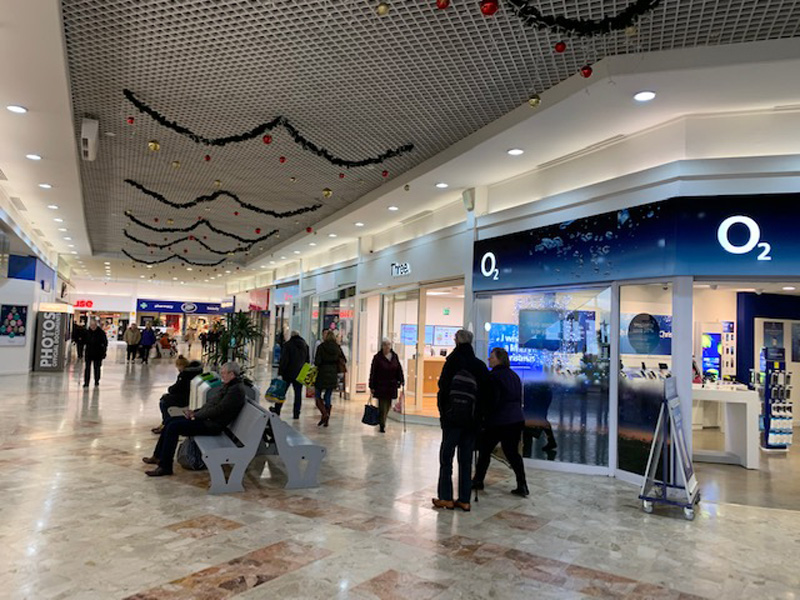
(463, 440)
(325, 395)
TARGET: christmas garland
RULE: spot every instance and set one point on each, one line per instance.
(158, 261)
(193, 239)
(533, 17)
(197, 224)
(211, 197)
(260, 130)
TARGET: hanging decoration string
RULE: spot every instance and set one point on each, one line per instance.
(192, 238)
(197, 224)
(260, 130)
(219, 193)
(533, 17)
(158, 261)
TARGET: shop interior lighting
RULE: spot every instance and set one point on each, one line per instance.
(16, 108)
(516, 151)
(644, 96)
(442, 185)
(33, 157)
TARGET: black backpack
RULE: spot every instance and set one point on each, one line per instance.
(463, 399)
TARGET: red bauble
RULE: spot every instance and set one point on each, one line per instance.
(207, 157)
(205, 237)
(267, 139)
(131, 120)
(185, 251)
(385, 174)
(586, 71)
(442, 4)
(282, 159)
(199, 218)
(258, 230)
(341, 175)
(236, 213)
(560, 47)
(489, 7)
(309, 229)
(156, 219)
(191, 237)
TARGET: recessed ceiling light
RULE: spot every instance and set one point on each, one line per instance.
(393, 208)
(110, 134)
(442, 185)
(644, 96)
(45, 186)
(33, 157)
(272, 262)
(58, 220)
(52, 206)
(149, 266)
(283, 258)
(174, 279)
(789, 288)
(188, 268)
(106, 262)
(141, 276)
(331, 235)
(297, 251)
(225, 271)
(516, 151)
(62, 228)
(312, 243)
(359, 224)
(69, 239)
(73, 252)
(70, 245)
(16, 108)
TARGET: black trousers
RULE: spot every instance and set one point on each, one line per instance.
(79, 346)
(145, 352)
(461, 440)
(508, 436)
(384, 405)
(173, 429)
(132, 350)
(168, 401)
(87, 372)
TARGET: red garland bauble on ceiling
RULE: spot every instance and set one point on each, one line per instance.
(236, 213)
(560, 47)
(385, 174)
(586, 71)
(258, 230)
(207, 157)
(267, 139)
(489, 7)
(191, 237)
(309, 229)
(156, 219)
(442, 4)
(341, 175)
(131, 120)
(282, 159)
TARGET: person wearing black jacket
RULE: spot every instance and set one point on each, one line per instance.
(96, 348)
(330, 361)
(178, 393)
(294, 355)
(79, 338)
(385, 378)
(461, 401)
(211, 419)
(504, 421)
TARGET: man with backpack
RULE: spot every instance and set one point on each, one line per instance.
(461, 401)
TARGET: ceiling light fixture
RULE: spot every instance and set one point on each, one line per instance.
(393, 208)
(69, 239)
(359, 224)
(45, 186)
(62, 228)
(58, 220)
(442, 185)
(52, 206)
(331, 235)
(33, 157)
(188, 268)
(788, 288)
(644, 96)
(16, 108)
(516, 151)
(283, 258)
(297, 251)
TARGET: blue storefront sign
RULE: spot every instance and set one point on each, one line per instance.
(714, 236)
(179, 306)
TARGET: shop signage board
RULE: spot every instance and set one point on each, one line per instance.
(401, 269)
(49, 351)
(178, 306)
(716, 236)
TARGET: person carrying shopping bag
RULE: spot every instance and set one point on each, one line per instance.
(385, 379)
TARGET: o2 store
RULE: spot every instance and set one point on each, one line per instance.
(595, 312)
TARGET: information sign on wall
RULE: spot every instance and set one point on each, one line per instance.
(178, 306)
(13, 324)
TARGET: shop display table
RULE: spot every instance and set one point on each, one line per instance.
(741, 409)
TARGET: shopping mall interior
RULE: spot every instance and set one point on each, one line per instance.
(201, 201)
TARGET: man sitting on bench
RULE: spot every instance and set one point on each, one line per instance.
(211, 419)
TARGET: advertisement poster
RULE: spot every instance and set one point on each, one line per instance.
(795, 342)
(13, 325)
(712, 354)
(646, 334)
(773, 334)
(49, 354)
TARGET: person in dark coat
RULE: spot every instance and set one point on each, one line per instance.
(504, 421)
(96, 348)
(178, 393)
(385, 378)
(330, 361)
(211, 419)
(458, 434)
(79, 338)
(294, 355)
(148, 341)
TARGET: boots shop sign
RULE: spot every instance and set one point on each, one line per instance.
(711, 236)
(50, 341)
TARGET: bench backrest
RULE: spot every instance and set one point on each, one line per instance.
(249, 425)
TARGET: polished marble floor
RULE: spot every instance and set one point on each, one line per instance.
(78, 518)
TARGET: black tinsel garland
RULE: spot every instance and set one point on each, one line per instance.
(533, 17)
(197, 224)
(193, 239)
(260, 130)
(211, 197)
(158, 261)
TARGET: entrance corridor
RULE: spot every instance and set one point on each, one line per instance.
(79, 519)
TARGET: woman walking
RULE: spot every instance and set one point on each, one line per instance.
(148, 340)
(132, 337)
(330, 361)
(504, 422)
(385, 379)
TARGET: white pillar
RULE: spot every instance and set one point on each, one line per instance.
(682, 329)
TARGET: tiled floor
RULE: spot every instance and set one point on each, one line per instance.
(78, 519)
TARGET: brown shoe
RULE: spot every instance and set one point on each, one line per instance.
(465, 506)
(448, 504)
(150, 460)
(157, 430)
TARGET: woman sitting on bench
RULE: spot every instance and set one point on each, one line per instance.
(178, 393)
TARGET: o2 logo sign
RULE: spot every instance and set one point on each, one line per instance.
(489, 266)
(753, 240)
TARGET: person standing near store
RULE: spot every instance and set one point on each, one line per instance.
(385, 379)
(461, 400)
(132, 337)
(148, 341)
(294, 355)
(79, 338)
(504, 421)
(96, 348)
(330, 361)
(189, 337)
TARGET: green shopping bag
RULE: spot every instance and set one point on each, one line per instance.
(307, 375)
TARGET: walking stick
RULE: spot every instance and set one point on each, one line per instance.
(404, 409)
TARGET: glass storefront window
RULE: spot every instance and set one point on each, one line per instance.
(400, 319)
(559, 345)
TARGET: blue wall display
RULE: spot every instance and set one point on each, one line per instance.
(712, 354)
(735, 236)
(750, 306)
(408, 334)
(644, 333)
(178, 306)
(773, 334)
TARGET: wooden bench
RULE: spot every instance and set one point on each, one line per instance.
(301, 456)
(218, 450)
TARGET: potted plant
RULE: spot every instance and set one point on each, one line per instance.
(234, 341)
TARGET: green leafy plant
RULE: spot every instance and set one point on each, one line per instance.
(234, 341)
(157, 322)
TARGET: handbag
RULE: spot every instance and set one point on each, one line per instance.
(189, 456)
(341, 367)
(277, 390)
(307, 375)
(371, 414)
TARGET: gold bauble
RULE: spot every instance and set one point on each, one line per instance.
(154, 145)
(383, 9)
(535, 100)
(292, 179)
(170, 221)
(631, 31)
(327, 192)
(406, 187)
(217, 183)
(176, 164)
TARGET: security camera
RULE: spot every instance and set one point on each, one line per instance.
(665, 286)
(759, 291)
